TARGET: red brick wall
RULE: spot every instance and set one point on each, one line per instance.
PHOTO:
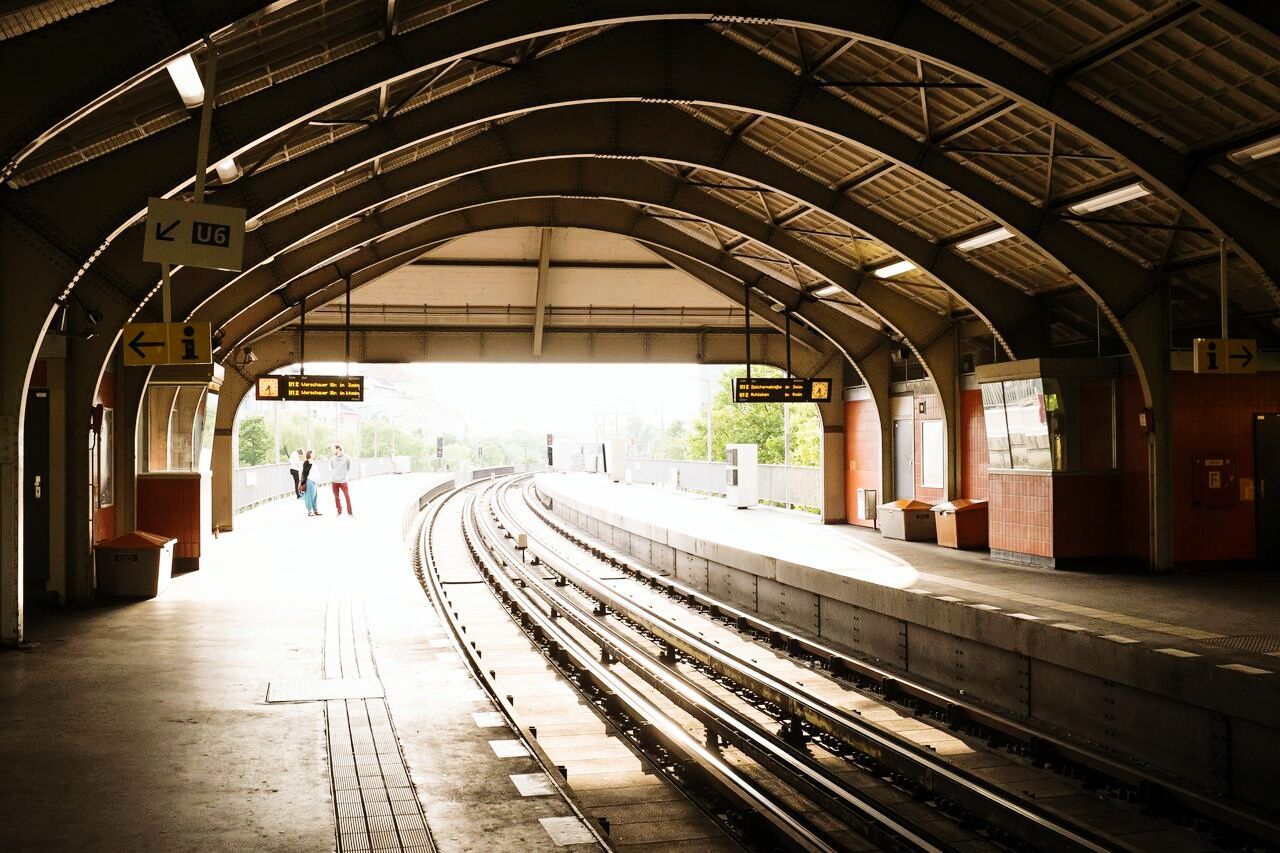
(1214, 414)
(104, 518)
(170, 506)
(973, 446)
(862, 455)
(1021, 512)
(932, 411)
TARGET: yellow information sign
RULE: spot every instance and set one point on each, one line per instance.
(151, 344)
(190, 343)
(1226, 355)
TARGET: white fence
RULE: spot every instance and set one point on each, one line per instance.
(796, 485)
(251, 486)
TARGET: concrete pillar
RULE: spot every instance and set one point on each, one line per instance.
(1146, 323)
(82, 386)
(11, 603)
(223, 458)
(833, 450)
(131, 398)
(942, 357)
(54, 354)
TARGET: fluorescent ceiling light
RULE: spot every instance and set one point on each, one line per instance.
(227, 170)
(1110, 199)
(827, 290)
(187, 80)
(977, 241)
(253, 223)
(1257, 151)
(894, 269)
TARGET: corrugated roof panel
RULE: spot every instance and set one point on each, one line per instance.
(33, 16)
(1192, 85)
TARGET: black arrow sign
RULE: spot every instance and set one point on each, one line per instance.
(163, 234)
(1246, 357)
(137, 344)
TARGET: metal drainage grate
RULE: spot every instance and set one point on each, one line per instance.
(1257, 643)
(320, 689)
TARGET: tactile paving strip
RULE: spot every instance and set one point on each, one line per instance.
(320, 689)
(376, 806)
(1259, 643)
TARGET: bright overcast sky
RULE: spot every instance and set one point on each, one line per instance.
(566, 398)
(558, 398)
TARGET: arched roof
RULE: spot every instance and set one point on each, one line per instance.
(806, 141)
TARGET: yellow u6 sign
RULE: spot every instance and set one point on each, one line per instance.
(1226, 355)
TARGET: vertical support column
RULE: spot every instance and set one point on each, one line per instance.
(941, 356)
(83, 378)
(131, 394)
(1146, 324)
(223, 457)
(834, 498)
(54, 352)
(11, 603)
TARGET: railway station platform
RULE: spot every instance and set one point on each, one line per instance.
(198, 720)
(1180, 671)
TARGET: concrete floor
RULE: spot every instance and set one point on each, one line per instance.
(144, 725)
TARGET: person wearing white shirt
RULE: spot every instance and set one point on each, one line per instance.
(339, 471)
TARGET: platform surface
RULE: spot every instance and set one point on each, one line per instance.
(146, 725)
(1227, 615)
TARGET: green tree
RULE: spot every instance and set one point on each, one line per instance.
(256, 441)
(756, 423)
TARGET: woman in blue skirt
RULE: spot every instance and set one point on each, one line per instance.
(308, 486)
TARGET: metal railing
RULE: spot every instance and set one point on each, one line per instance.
(795, 485)
(260, 483)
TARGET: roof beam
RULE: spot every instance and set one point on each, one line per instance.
(540, 290)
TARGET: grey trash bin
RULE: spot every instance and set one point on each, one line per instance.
(907, 519)
(135, 565)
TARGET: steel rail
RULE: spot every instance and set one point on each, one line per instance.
(941, 778)
(1041, 746)
(654, 722)
(428, 575)
(799, 770)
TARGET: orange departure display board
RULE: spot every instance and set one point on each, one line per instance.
(782, 390)
(319, 389)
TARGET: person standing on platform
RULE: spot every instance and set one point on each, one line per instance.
(295, 468)
(310, 492)
(340, 471)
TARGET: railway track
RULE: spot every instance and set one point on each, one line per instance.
(780, 755)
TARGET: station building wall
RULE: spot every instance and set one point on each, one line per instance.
(1098, 512)
(862, 455)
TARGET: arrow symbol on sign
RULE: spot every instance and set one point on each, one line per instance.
(1246, 357)
(137, 344)
(163, 234)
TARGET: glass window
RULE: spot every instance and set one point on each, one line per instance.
(997, 427)
(1028, 425)
(933, 449)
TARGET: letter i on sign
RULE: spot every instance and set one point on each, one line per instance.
(188, 343)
